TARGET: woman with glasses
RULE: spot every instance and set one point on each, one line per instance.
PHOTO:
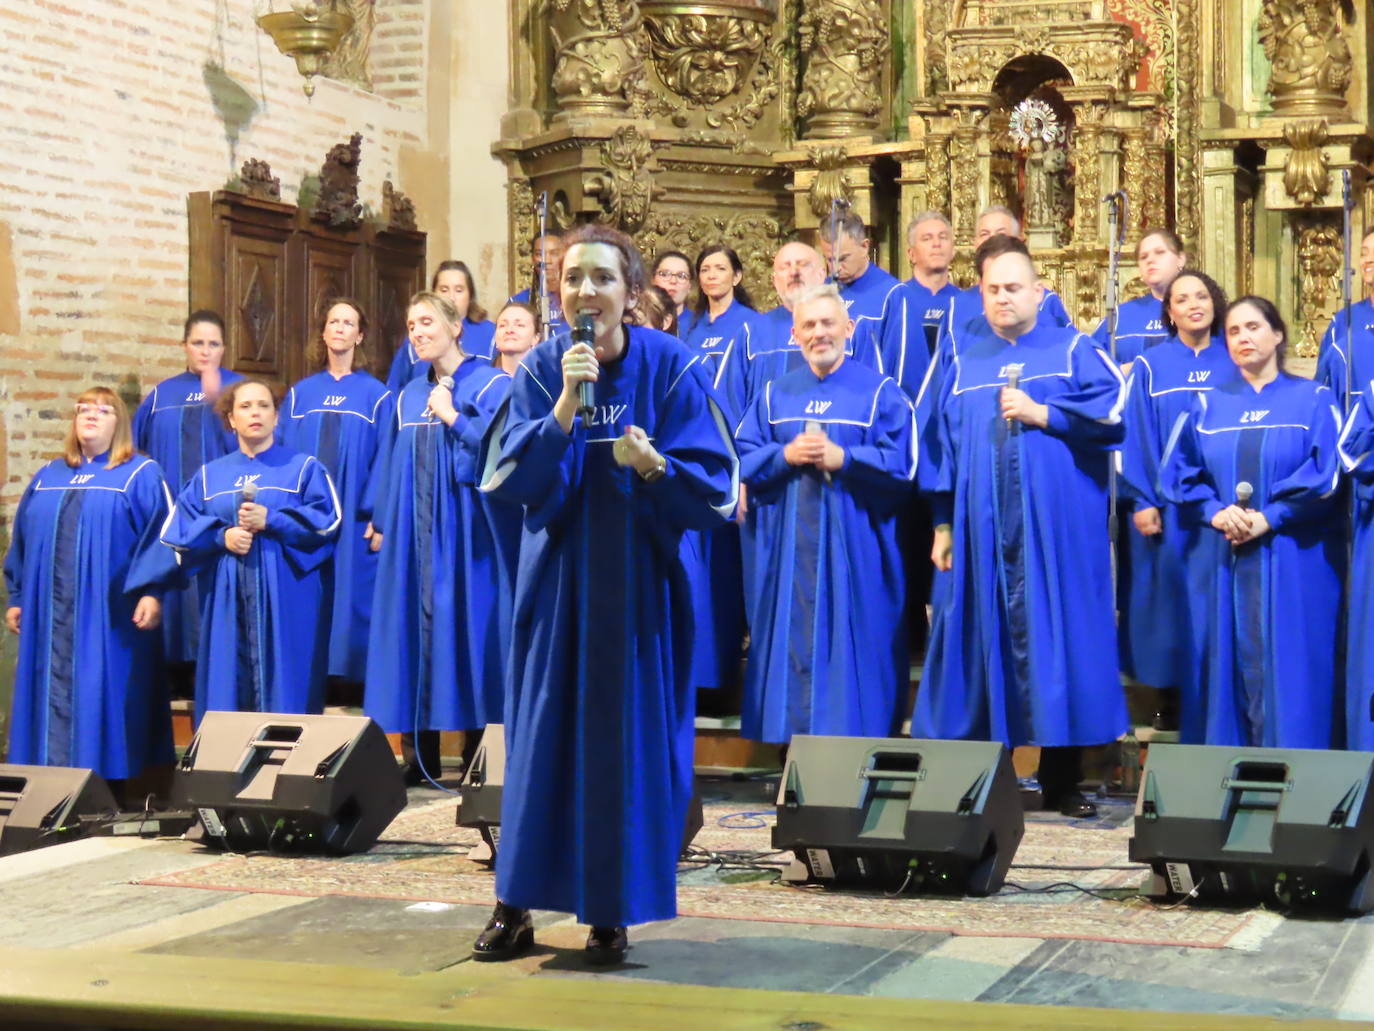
(672, 273)
(85, 576)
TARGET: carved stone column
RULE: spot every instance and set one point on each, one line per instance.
(1310, 61)
(598, 58)
(844, 43)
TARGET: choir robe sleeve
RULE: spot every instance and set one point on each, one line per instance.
(378, 497)
(475, 414)
(1142, 448)
(731, 383)
(1356, 444)
(14, 558)
(308, 528)
(882, 467)
(1183, 476)
(193, 529)
(142, 423)
(1308, 493)
(525, 457)
(700, 486)
(1053, 312)
(1089, 416)
(1332, 368)
(762, 466)
(153, 569)
(934, 476)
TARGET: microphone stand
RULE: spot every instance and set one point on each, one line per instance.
(1117, 220)
(1347, 303)
(543, 284)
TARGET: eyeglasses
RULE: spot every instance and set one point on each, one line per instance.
(87, 408)
(674, 277)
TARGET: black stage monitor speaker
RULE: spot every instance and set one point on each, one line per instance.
(481, 789)
(1289, 827)
(291, 783)
(900, 814)
(41, 805)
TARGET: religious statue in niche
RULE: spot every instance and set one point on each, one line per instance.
(1043, 140)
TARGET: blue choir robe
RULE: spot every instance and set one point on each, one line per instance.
(180, 430)
(265, 637)
(599, 722)
(89, 688)
(422, 673)
(1342, 363)
(686, 321)
(828, 649)
(1159, 638)
(1356, 443)
(866, 297)
(1139, 326)
(1022, 642)
(712, 559)
(339, 421)
(478, 339)
(908, 330)
(557, 323)
(1269, 672)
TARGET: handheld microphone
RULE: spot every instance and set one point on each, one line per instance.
(812, 426)
(447, 383)
(584, 332)
(1014, 383)
(249, 494)
(1244, 492)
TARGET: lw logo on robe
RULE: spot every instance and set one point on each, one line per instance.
(818, 407)
(1199, 375)
(606, 415)
(1006, 370)
(197, 396)
(712, 343)
(245, 480)
(334, 400)
(1154, 326)
(1254, 415)
(81, 478)
(935, 314)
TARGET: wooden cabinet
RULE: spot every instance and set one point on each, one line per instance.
(271, 270)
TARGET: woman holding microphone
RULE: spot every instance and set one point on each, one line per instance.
(614, 443)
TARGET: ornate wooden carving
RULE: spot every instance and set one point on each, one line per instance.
(271, 268)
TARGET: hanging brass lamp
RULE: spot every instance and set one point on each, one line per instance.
(309, 32)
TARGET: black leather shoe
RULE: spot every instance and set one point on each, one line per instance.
(508, 933)
(606, 946)
(1072, 803)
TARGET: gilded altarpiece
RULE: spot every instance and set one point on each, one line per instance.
(1231, 121)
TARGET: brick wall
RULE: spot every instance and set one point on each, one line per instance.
(111, 112)
(398, 50)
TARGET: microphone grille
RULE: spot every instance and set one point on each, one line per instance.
(1244, 491)
(250, 492)
(446, 382)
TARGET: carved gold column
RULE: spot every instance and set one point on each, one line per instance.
(1187, 136)
(1310, 61)
(1087, 177)
(598, 60)
(844, 44)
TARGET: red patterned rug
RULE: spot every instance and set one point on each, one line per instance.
(422, 857)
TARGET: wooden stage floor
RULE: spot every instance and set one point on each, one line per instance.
(86, 941)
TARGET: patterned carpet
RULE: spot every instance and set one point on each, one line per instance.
(422, 857)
